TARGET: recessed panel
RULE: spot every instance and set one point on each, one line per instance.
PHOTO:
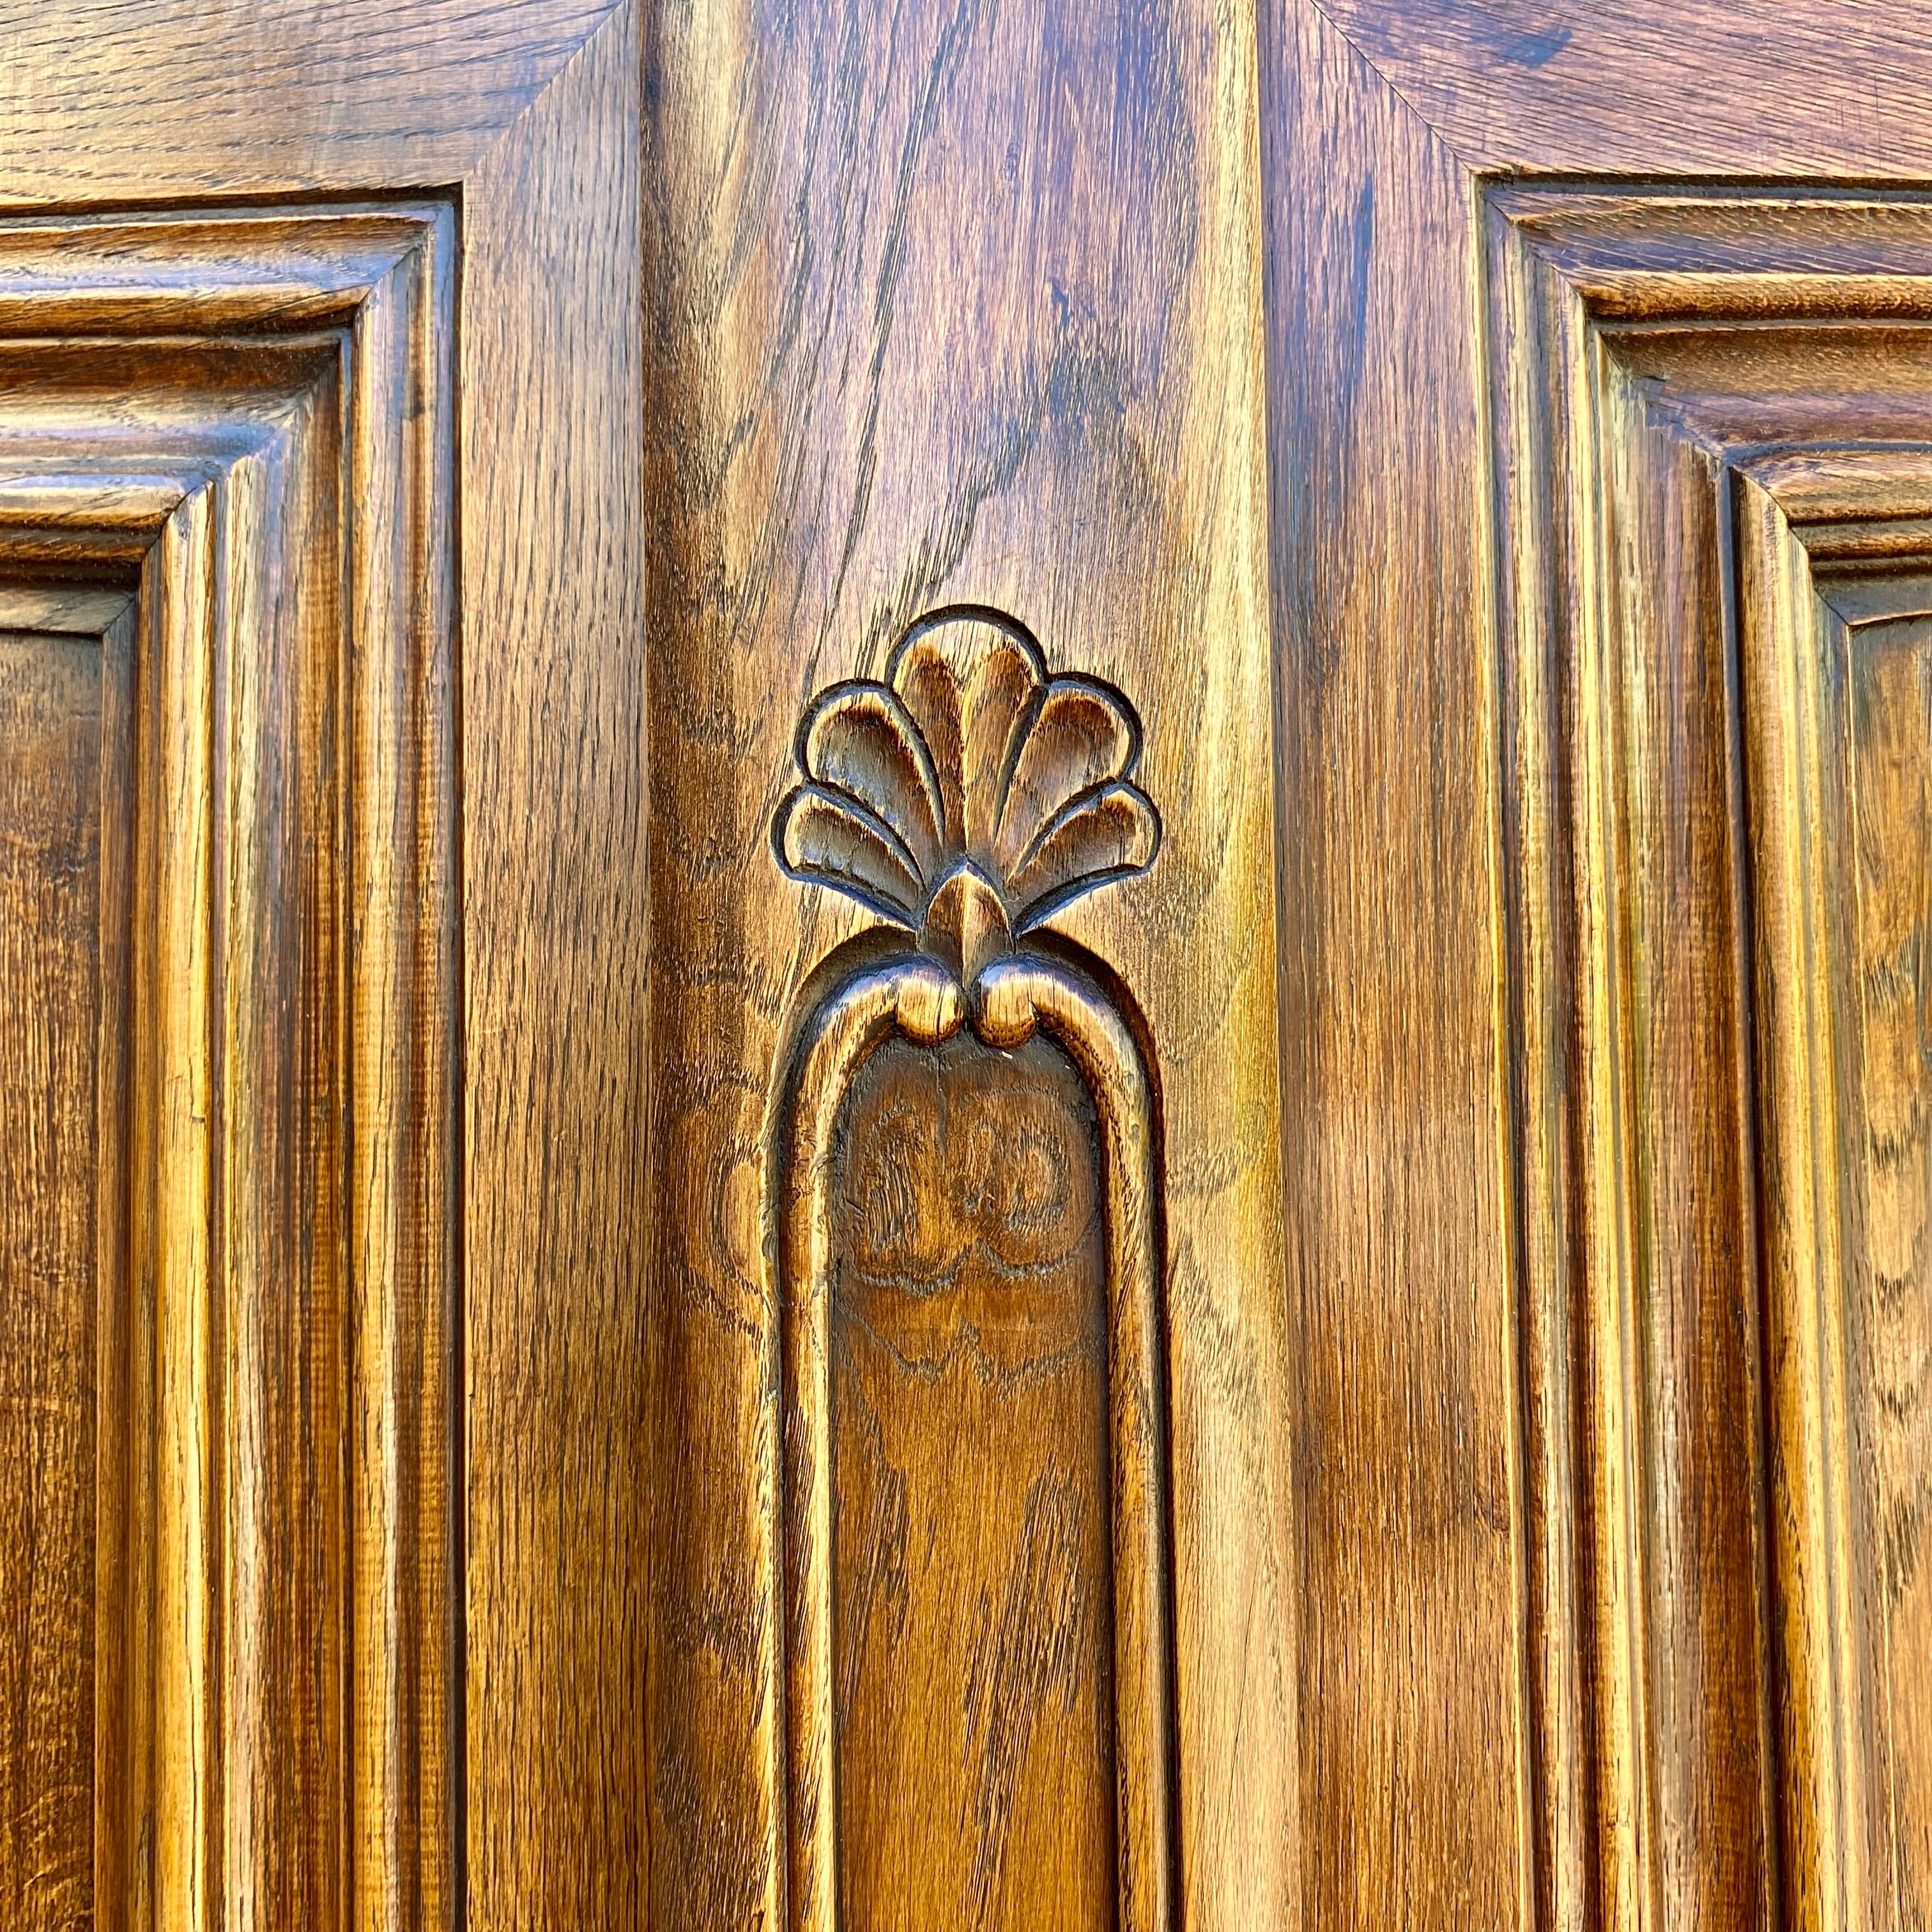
(1891, 681)
(1715, 411)
(232, 893)
(51, 1089)
(972, 1589)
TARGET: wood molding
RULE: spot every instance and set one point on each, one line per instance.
(244, 420)
(1712, 467)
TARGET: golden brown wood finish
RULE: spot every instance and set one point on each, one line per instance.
(1411, 1752)
(1525, 1528)
(1894, 763)
(937, 314)
(273, 944)
(1711, 428)
(971, 1309)
(63, 694)
(1592, 506)
(268, 452)
(968, 798)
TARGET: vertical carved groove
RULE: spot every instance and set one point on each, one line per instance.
(918, 998)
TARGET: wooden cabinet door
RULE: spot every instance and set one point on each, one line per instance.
(960, 966)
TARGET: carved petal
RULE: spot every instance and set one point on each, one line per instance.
(1082, 735)
(969, 678)
(859, 739)
(836, 840)
(1109, 832)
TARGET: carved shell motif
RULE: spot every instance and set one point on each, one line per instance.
(970, 796)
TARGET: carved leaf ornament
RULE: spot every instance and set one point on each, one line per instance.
(970, 796)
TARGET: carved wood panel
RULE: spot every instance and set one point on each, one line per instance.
(972, 1560)
(1715, 457)
(940, 320)
(966, 798)
(226, 449)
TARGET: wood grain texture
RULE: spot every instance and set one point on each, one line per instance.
(1639, 1278)
(289, 96)
(348, 1354)
(966, 798)
(1412, 1747)
(57, 772)
(1710, 422)
(938, 314)
(272, 1242)
(1839, 632)
(559, 1487)
(1653, 89)
(971, 1461)
(1892, 725)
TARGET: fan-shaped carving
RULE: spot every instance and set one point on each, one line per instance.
(971, 795)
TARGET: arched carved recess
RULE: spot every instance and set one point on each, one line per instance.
(965, 799)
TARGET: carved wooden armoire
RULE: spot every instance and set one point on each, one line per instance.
(965, 965)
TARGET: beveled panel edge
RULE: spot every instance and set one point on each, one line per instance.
(76, 612)
(1791, 657)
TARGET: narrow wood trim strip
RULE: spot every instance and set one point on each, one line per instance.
(1794, 751)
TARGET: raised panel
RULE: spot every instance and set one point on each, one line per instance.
(234, 432)
(1714, 416)
(65, 777)
(448, 1083)
(1892, 736)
